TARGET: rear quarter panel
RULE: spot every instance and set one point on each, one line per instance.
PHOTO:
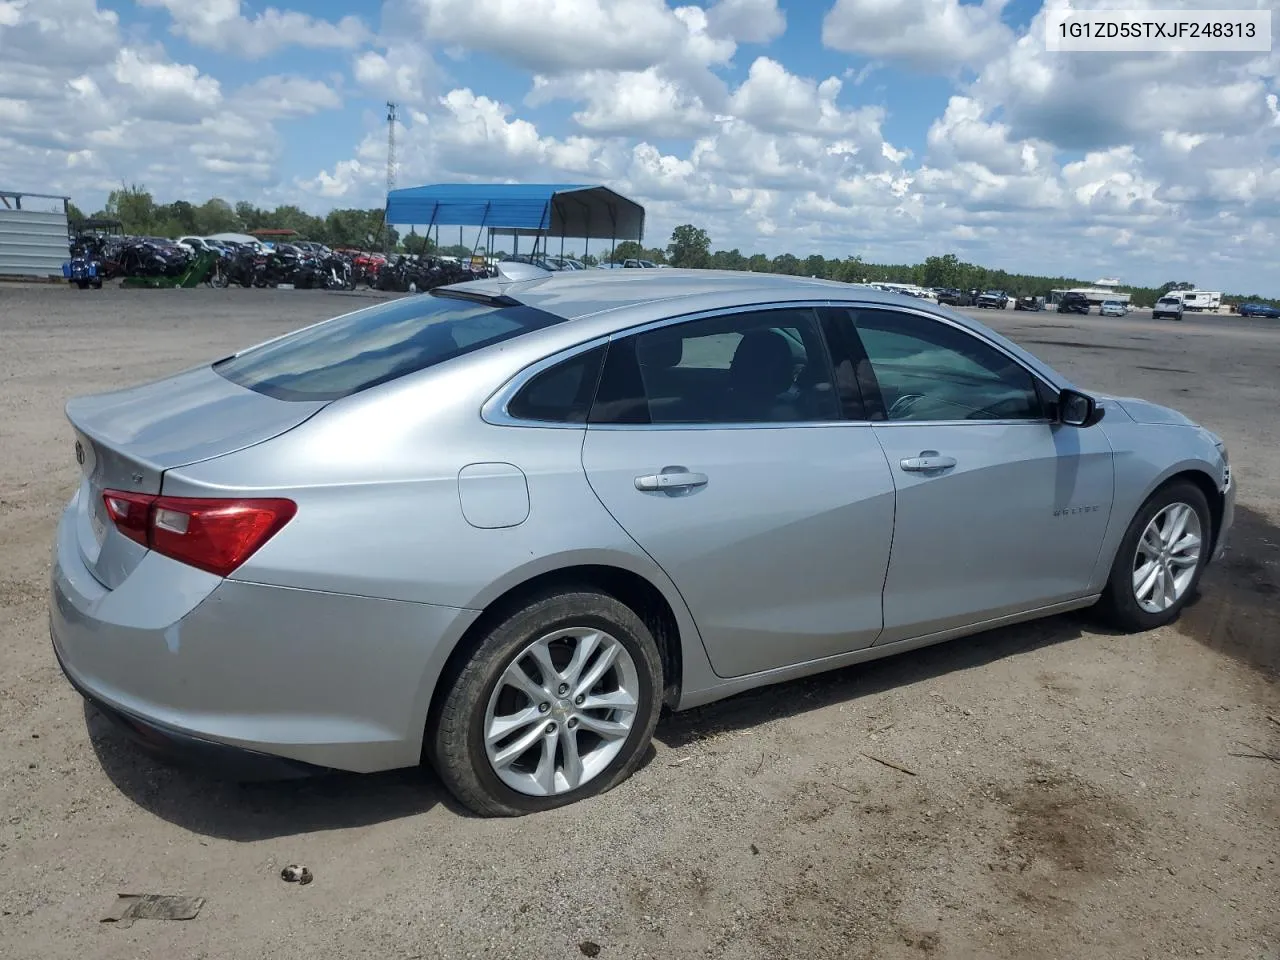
(376, 480)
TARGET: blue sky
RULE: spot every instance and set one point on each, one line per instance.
(893, 129)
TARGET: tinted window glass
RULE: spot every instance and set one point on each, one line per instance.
(759, 367)
(363, 349)
(561, 394)
(927, 370)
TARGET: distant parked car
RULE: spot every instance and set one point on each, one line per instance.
(993, 300)
(953, 297)
(1113, 308)
(1170, 307)
(1259, 310)
(1028, 303)
(1073, 303)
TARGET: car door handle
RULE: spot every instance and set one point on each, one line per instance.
(928, 460)
(675, 480)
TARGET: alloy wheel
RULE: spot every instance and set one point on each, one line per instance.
(561, 711)
(1167, 557)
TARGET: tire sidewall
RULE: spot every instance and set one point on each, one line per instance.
(508, 640)
(1121, 585)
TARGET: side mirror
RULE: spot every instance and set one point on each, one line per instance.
(1076, 409)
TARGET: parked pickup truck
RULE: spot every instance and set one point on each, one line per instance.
(993, 300)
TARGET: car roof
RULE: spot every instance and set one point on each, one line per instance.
(581, 293)
(599, 303)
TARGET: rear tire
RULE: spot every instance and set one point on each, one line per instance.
(474, 705)
(1122, 604)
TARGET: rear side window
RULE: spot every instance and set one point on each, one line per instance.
(348, 354)
(561, 394)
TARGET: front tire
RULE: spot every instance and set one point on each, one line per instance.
(557, 704)
(1158, 565)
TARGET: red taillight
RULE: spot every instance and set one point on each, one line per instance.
(215, 535)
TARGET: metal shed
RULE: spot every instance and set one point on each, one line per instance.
(540, 210)
(33, 234)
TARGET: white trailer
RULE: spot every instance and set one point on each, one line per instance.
(1201, 299)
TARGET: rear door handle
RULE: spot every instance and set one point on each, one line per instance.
(928, 460)
(675, 480)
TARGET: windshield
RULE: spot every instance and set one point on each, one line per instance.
(360, 350)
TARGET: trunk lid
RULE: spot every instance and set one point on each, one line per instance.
(127, 439)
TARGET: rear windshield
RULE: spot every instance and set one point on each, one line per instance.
(351, 353)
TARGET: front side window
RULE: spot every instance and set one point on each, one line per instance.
(929, 370)
(765, 366)
(351, 353)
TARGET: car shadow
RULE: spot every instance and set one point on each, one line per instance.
(1235, 610)
(228, 810)
(846, 684)
(244, 812)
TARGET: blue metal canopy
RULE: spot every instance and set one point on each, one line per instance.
(587, 211)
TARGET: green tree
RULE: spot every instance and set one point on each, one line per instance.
(786, 263)
(250, 217)
(134, 207)
(690, 246)
(215, 215)
(728, 260)
(626, 250)
(74, 213)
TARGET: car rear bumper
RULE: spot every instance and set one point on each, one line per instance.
(210, 757)
(322, 679)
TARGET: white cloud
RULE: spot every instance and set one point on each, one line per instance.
(288, 96)
(552, 36)
(773, 99)
(931, 35)
(220, 25)
(644, 103)
(747, 21)
(164, 90)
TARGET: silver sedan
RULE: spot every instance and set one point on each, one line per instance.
(497, 528)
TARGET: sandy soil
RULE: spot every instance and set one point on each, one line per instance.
(1071, 793)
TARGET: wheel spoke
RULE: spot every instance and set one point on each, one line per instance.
(1151, 544)
(516, 677)
(599, 668)
(1177, 522)
(514, 750)
(1183, 560)
(1148, 582)
(609, 729)
(541, 655)
(614, 700)
(1170, 584)
(502, 727)
(587, 645)
(1188, 543)
(545, 774)
(572, 759)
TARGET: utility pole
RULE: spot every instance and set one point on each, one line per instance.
(393, 117)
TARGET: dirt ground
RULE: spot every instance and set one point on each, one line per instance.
(1072, 793)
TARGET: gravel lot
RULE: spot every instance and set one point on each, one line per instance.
(1075, 793)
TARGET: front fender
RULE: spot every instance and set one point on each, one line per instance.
(1142, 465)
